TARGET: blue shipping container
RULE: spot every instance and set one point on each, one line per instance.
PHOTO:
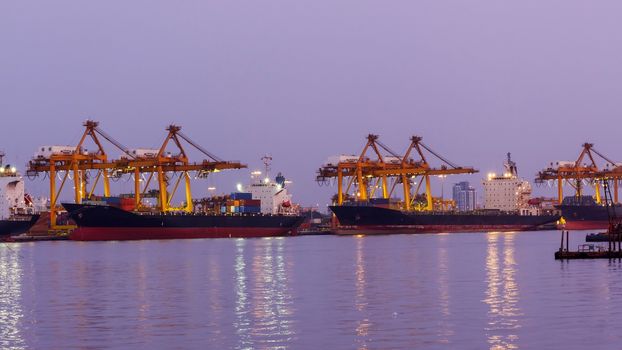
(253, 209)
(114, 200)
(241, 195)
(379, 200)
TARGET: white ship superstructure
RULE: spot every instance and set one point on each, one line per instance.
(273, 195)
(13, 199)
(507, 192)
(11, 192)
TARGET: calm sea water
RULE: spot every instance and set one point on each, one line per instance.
(458, 291)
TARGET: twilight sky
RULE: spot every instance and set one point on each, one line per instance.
(304, 80)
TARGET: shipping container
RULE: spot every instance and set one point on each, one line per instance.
(112, 200)
(251, 209)
(128, 204)
(379, 200)
(250, 202)
(241, 195)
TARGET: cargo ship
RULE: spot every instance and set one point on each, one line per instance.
(583, 213)
(17, 214)
(262, 209)
(508, 207)
(369, 219)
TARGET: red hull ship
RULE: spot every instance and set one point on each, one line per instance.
(106, 223)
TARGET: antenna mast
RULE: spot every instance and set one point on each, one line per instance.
(267, 161)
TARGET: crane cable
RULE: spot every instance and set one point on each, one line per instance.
(438, 156)
(201, 149)
(118, 144)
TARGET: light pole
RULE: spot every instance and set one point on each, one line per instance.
(442, 177)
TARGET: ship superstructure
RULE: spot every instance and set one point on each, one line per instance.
(507, 192)
(16, 215)
(273, 194)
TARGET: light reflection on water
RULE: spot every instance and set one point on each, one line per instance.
(457, 291)
(502, 292)
(446, 327)
(264, 307)
(360, 299)
(242, 320)
(11, 312)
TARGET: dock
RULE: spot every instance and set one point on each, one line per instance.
(589, 250)
(603, 254)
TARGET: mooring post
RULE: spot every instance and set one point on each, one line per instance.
(609, 240)
(561, 247)
(567, 239)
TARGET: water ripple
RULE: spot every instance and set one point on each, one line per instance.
(471, 291)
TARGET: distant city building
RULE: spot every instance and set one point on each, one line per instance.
(464, 196)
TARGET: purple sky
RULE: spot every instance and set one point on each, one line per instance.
(307, 80)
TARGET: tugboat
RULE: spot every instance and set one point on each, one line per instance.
(16, 210)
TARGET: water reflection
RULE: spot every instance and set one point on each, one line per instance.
(264, 304)
(446, 328)
(11, 313)
(242, 321)
(360, 298)
(272, 300)
(502, 292)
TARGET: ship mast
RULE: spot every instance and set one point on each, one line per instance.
(510, 166)
(267, 161)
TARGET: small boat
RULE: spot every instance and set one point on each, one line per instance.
(598, 237)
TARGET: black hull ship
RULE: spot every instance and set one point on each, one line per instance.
(355, 219)
(104, 223)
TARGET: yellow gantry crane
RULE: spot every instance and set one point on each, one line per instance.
(59, 163)
(583, 168)
(386, 171)
(166, 165)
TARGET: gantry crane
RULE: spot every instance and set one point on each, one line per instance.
(584, 168)
(163, 165)
(613, 174)
(77, 161)
(167, 163)
(388, 171)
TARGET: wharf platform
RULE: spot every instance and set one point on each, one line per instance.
(589, 250)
